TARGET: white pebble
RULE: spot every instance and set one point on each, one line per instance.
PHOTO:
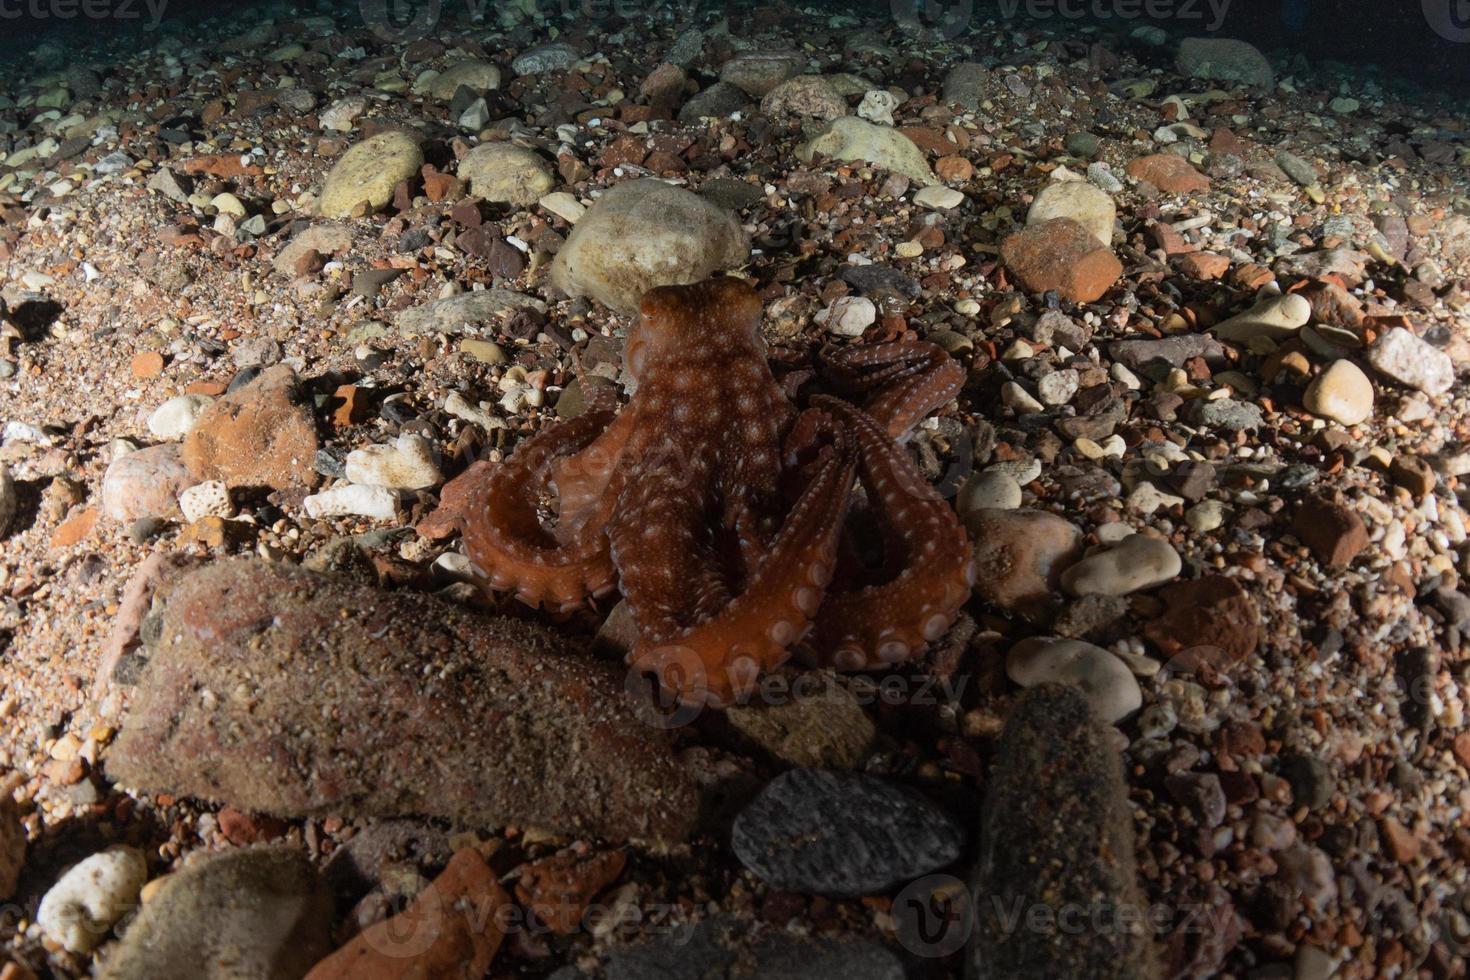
(1137, 562)
(353, 500)
(176, 417)
(208, 499)
(407, 464)
(1102, 677)
(83, 905)
(848, 316)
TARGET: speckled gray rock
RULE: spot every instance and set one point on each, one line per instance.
(1056, 834)
(294, 693)
(251, 914)
(547, 57)
(1223, 59)
(1401, 356)
(833, 833)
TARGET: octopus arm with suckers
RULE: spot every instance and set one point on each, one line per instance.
(721, 511)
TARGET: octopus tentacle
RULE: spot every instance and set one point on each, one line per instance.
(718, 660)
(885, 623)
(506, 539)
(902, 381)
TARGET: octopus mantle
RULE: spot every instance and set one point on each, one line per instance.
(721, 510)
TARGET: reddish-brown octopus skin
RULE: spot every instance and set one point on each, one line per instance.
(719, 511)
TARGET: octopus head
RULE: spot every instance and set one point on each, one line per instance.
(720, 313)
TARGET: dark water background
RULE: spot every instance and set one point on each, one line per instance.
(1423, 43)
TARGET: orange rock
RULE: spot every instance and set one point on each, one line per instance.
(1061, 254)
(256, 436)
(559, 888)
(452, 930)
(74, 528)
(954, 168)
(219, 165)
(1204, 265)
(1169, 172)
(353, 407)
(1400, 841)
(211, 388)
(148, 364)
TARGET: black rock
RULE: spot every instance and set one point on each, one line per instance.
(1312, 782)
(840, 833)
(877, 278)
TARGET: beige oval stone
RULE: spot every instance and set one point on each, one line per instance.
(505, 173)
(1341, 393)
(369, 171)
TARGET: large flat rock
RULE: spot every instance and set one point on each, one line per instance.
(280, 690)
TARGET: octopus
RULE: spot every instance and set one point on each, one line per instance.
(739, 527)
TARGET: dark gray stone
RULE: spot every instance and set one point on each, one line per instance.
(1057, 844)
(841, 833)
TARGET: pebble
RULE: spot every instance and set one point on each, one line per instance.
(556, 56)
(848, 316)
(455, 313)
(1078, 200)
(260, 435)
(505, 173)
(407, 464)
(498, 730)
(466, 906)
(1403, 357)
(1061, 255)
(353, 500)
(368, 172)
(476, 75)
(1219, 59)
(81, 908)
(1276, 317)
(1341, 393)
(939, 197)
(9, 500)
(1106, 682)
(342, 115)
(176, 418)
(851, 138)
(810, 96)
(877, 107)
(1137, 563)
(248, 912)
(12, 846)
(1170, 173)
(565, 206)
(1332, 529)
(208, 499)
(1206, 516)
(1020, 555)
(842, 834)
(1296, 168)
(1058, 387)
(987, 490)
(645, 233)
(758, 72)
(827, 729)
